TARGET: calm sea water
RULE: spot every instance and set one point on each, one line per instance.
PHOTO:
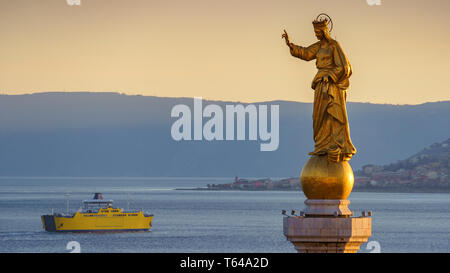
(206, 221)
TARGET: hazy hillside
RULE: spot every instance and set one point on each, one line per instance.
(109, 134)
(429, 168)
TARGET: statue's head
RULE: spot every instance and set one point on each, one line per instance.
(321, 28)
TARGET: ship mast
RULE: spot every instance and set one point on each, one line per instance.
(67, 200)
(128, 201)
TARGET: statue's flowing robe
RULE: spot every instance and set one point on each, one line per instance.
(330, 121)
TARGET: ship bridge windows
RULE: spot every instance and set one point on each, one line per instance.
(97, 205)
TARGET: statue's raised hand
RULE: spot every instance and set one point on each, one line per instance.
(286, 38)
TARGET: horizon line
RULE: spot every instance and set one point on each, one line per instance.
(184, 97)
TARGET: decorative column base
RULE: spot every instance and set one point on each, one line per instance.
(327, 227)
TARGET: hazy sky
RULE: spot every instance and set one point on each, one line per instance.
(227, 50)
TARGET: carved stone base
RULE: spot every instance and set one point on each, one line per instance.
(327, 207)
(327, 227)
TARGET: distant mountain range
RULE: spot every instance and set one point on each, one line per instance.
(112, 134)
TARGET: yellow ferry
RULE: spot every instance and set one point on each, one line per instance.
(98, 215)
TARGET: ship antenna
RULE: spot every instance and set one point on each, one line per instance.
(67, 197)
(128, 201)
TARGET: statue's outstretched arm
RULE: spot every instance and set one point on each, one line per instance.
(305, 53)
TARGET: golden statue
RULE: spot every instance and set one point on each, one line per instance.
(327, 178)
(330, 122)
(327, 174)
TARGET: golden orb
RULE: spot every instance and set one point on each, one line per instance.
(322, 179)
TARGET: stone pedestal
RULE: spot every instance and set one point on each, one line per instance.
(327, 207)
(327, 226)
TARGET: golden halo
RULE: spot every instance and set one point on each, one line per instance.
(324, 16)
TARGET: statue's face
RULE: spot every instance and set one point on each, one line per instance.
(319, 34)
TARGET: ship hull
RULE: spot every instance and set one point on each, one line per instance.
(102, 222)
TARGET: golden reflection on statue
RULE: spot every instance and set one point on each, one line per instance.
(330, 122)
